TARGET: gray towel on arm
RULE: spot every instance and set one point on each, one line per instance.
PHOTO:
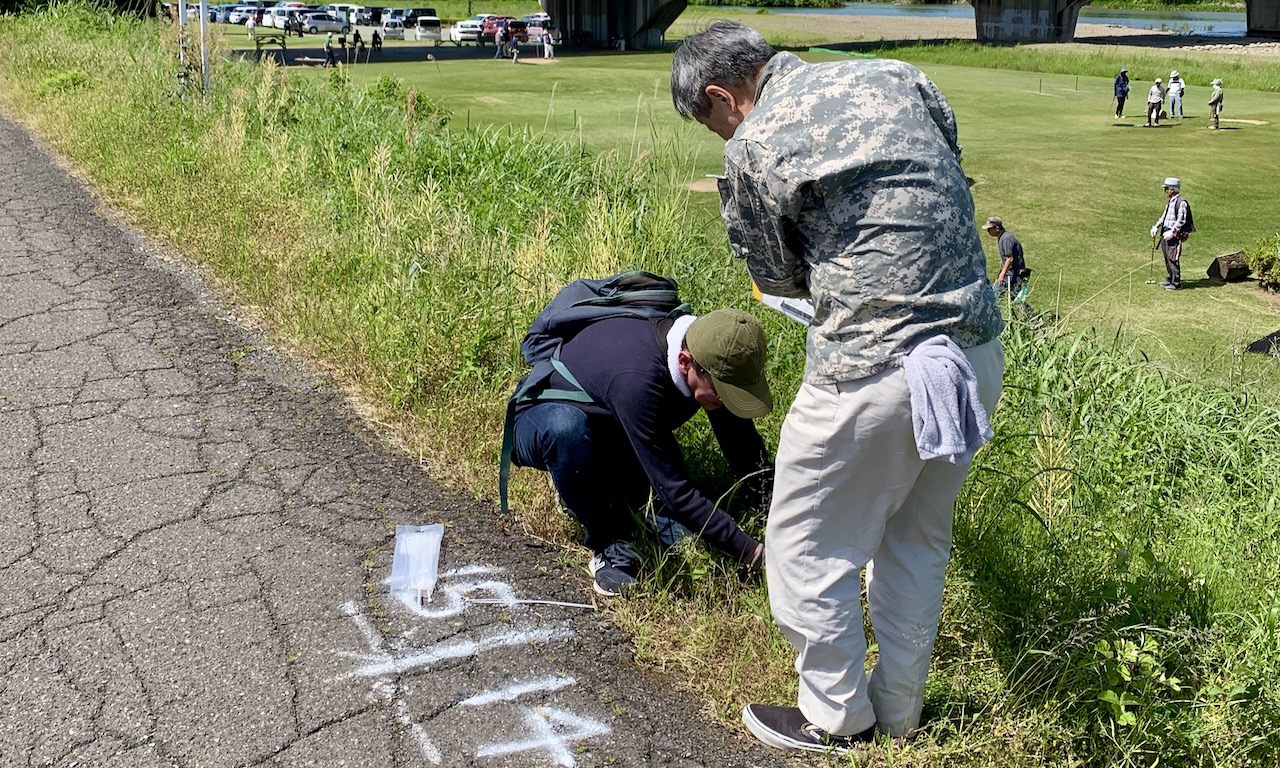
(949, 420)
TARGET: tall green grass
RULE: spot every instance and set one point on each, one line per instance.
(1113, 598)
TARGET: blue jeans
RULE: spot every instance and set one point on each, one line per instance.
(594, 469)
(591, 463)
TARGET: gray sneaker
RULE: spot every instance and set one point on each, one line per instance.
(614, 570)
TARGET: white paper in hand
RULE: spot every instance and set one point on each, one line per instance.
(416, 563)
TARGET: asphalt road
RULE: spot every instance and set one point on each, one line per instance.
(195, 540)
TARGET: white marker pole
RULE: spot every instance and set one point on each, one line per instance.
(204, 43)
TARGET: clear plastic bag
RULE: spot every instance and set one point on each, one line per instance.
(416, 563)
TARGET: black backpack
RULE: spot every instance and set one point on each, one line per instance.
(1190, 225)
(638, 294)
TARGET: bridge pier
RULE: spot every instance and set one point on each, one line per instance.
(1262, 18)
(600, 23)
(1044, 21)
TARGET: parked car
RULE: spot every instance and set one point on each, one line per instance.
(427, 28)
(468, 30)
(274, 17)
(536, 19)
(517, 29)
(325, 22)
(344, 11)
(370, 17)
(241, 13)
(392, 29)
(410, 15)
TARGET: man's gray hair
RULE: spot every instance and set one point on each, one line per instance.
(727, 54)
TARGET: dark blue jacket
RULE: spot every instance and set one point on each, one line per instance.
(622, 364)
(1122, 87)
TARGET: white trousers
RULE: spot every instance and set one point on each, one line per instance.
(851, 490)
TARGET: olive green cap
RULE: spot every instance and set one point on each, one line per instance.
(729, 345)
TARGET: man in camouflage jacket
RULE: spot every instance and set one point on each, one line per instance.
(843, 184)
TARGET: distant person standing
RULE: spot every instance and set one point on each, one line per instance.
(1155, 99)
(1215, 102)
(328, 51)
(548, 43)
(1173, 228)
(1122, 90)
(377, 41)
(1176, 89)
(1013, 265)
(500, 43)
(515, 49)
(249, 24)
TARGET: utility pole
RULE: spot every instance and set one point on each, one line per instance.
(204, 43)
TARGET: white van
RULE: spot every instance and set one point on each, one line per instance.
(275, 17)
(428, 28)
(344, 11)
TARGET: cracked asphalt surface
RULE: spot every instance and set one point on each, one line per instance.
(194, 543)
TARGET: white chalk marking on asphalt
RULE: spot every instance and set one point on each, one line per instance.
(371, 634)
(429, 750)
(549, 738)
(475, 569)
(455, 598)
(513, 692)
(561, 603)
(458, 650)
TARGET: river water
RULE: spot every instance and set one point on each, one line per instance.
(1217, 24)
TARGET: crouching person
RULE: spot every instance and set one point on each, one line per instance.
(637, 380)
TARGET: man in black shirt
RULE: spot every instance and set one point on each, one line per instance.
(645, 379)
(1012, 263)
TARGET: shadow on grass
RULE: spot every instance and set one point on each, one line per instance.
(1204, 282)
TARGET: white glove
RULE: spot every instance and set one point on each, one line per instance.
(1155, 230)
(1168, 235)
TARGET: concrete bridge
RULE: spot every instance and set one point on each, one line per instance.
(1054, 21)
(619, 23)
(642, 23)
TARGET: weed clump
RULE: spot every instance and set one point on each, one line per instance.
(1263, 257)
(60, 83)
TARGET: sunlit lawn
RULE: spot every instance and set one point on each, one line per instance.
(1080, 189)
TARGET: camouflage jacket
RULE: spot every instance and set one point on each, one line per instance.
(843, 185)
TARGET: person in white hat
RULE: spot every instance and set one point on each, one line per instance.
(1155, 99)
(1121, 90)
(1173, 228)
(1175, 91)
(1215, 102)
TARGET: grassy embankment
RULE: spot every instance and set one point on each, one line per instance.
(1119, 534)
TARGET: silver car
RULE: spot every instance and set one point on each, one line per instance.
(323, 22)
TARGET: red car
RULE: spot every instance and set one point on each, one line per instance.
(517, 29)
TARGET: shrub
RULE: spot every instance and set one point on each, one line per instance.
(1263, 257)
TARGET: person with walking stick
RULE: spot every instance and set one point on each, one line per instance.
(1173, 228)
(1121, 90)
(1215, 102)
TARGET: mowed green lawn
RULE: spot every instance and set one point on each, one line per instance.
(1079, 188)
